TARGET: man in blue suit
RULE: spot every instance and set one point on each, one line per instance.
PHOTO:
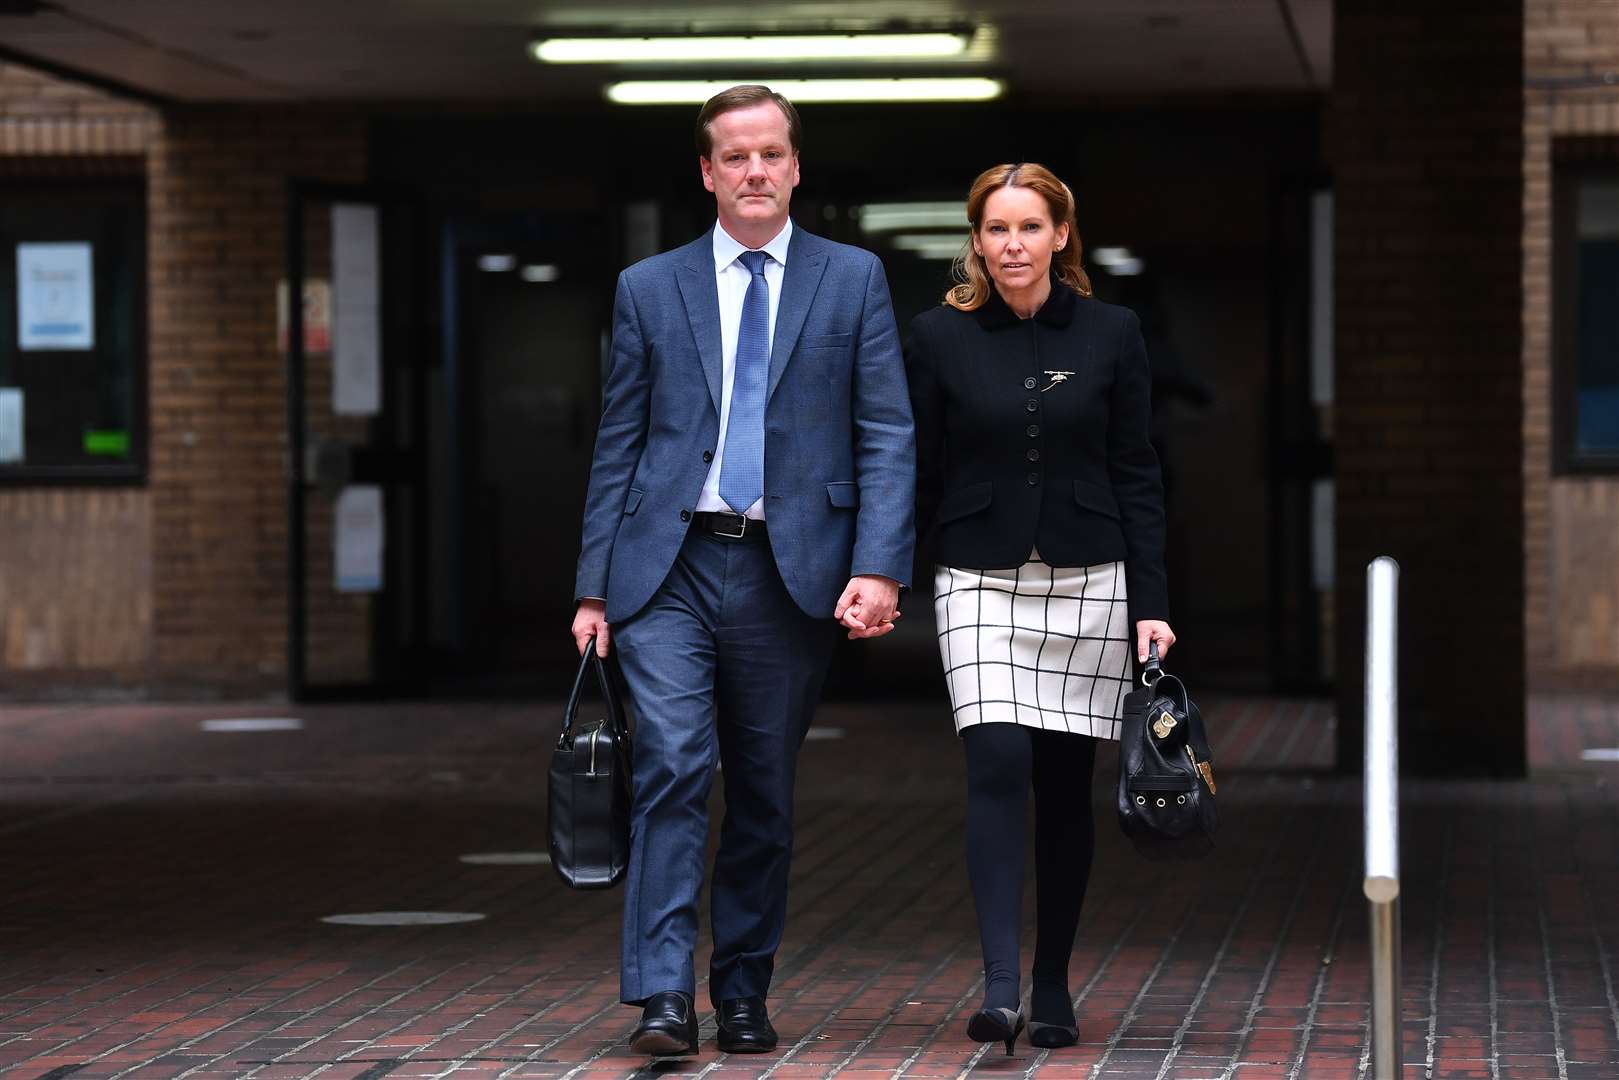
(751, 492)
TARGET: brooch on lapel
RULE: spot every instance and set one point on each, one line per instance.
(1056, 377)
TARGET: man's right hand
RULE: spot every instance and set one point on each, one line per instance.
(590, 621)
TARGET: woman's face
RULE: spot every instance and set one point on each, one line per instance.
(1016, 238)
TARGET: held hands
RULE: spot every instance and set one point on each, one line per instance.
(867, 606)
(590, 621)
(1149, 630)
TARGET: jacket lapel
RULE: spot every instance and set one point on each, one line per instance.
(702, 299)
(805, 265)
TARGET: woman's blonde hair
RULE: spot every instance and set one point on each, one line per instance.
(969, 270)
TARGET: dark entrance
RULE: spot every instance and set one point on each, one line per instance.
(522, 222)
(528, 299)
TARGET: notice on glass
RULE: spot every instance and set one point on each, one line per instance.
(356, 311)
(55, 297)
(317, 316)
(11, 445)
(359, 539)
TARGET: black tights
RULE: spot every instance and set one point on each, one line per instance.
(1001, 760)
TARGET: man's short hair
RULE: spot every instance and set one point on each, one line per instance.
(743, 97)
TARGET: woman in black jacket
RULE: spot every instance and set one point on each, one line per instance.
(1040, 501)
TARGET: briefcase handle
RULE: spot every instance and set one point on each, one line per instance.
(615, 713)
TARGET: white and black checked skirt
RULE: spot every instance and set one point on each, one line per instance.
(1043, 646)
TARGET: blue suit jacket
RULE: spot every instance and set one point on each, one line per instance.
(840, 453)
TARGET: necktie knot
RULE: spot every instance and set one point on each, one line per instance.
(754, 261)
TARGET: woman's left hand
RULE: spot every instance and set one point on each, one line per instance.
(1149, 630)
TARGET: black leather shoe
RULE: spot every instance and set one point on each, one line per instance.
(668, 1026)
(745, 1026)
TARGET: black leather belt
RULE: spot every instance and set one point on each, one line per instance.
(730, 526)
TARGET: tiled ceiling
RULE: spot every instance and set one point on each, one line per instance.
(473, 50)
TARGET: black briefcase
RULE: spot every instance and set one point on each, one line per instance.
(1166, 773)
(589, 834)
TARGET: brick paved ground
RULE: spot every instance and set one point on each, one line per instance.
(161, 891)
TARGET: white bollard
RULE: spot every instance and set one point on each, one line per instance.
(1381, 883)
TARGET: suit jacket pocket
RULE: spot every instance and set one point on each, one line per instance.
(1097, 498)
(633, 501)
(825, 341)
(968, 500)
(844, 493)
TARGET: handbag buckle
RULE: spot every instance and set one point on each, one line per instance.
(1162, 726)
(1202, 768)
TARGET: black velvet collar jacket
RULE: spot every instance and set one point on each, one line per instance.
(1032, 434)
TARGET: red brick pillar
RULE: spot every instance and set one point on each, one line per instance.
(1425, 133)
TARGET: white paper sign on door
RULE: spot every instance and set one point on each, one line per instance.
(359, 539)
(11, 444)
(55, 297)
(356, 307)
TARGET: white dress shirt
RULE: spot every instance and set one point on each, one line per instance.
(733, 279)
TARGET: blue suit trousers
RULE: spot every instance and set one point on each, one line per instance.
(724, 668)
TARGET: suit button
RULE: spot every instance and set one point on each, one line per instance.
(685, 515)
(1032, 431)
(1033, 455)
(1028, 384)
(708, 455)
(1033, 405)
(1034, 479)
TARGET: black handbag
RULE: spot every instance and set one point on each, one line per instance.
(1166, 773)
(589, 794)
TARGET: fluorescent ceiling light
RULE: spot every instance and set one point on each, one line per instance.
(891, 217)
(496, 264)
(930, 245)
(747, 48)
(1117, 261)
(541, 272)
(800, 91)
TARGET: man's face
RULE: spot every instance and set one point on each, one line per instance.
(752, 169)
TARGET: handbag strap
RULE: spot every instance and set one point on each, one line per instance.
(615, 712)
(1153, 676)
(1159, 687)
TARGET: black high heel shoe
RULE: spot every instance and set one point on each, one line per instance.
(996, 1025)
(1051, 1036)
(1052, 1000)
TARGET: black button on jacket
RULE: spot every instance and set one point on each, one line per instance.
(1096, 495)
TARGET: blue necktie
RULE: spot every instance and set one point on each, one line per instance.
(742, 476)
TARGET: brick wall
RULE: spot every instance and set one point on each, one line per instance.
(75, 593)
(217, 183)
(45, 116)
(1426, 143)
(1571, 549)
(190, 571)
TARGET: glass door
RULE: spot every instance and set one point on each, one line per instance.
(353, 403)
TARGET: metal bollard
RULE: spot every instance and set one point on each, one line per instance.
(1381, 883)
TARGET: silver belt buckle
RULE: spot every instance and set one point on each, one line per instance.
(741, 528)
